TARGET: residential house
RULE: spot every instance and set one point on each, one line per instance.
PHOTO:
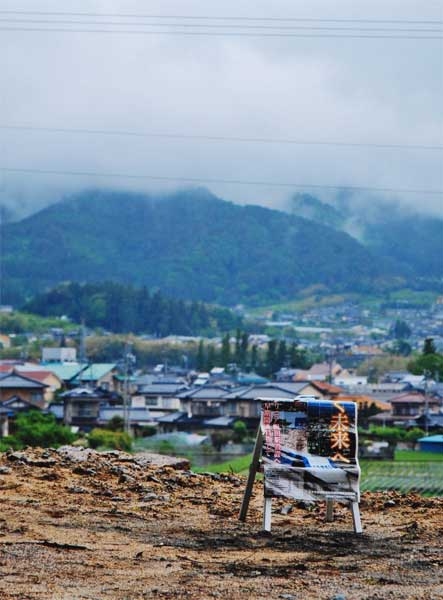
(59, 355)
(408, 409)
(286, 374)
(218, 406)
(49, 378)
(351, 382)
(97, 375)
(178, 421)
(322, 372)
(75, 374)
(81, 407)
(326, 390)
(364, 402)
(381, 391)
(243, 401)
(162, 396)
(430, 422)
(22, 388)
(413, 404)
(138, 416)
(67, 372)
(37, 373)
(205, 401)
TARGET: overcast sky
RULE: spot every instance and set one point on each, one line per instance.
(318, 89)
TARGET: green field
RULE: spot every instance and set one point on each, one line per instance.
(238, 465)
(423, 477)
(410, 471)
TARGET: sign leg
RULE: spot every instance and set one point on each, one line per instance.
(253, 468)
(356, 517)
(267, 511)
(329, 511)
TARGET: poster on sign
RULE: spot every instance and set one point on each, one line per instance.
(309, 449)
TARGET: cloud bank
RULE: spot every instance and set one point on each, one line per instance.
(358, 90)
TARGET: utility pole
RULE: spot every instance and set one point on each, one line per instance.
(426, 374)
(129, 360)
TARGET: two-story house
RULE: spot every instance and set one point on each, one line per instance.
(81, 407)
(23, 390)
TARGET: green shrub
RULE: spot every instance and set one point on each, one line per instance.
(117, 423)
(166, 447)
(8, 442)
(35, 428)
(148, 430)
(220, 439)
(103, 438)
(240, 432)
(389, 434)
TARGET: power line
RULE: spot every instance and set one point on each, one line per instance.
(229, 26)
(220, 34)
(216, 138)
(219, 18)
(220, 181)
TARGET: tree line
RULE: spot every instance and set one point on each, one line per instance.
(241, 355)
(123, 308)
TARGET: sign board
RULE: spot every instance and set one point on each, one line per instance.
(309, 449)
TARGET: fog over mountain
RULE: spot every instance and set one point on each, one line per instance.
(82, 108)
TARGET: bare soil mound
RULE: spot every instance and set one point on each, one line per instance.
(78, 524)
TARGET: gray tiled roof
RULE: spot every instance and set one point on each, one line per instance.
(219, 422)
(269, 390)
(135, 414)
(13, 380)
(82, 392)
(206, 392)
(171, 418)
(161, 389)
(294, 388)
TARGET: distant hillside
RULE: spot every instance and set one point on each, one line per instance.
(411, 243)
(190, 245)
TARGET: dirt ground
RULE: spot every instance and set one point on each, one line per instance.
(83, 525)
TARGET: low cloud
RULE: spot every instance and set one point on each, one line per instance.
(354, 91)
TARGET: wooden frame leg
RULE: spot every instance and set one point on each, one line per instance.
(253, 468)
(329, 511)
(267, 512)
(356, 517)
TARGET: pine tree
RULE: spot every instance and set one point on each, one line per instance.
(225, 357)
(211, 359)
(271, 357)
(429, 346)
(201, 356)
(282, 355)
(244, 350)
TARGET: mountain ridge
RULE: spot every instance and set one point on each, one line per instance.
(190, 244)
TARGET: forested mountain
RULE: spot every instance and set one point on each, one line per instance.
(190, 245)
(412, 243)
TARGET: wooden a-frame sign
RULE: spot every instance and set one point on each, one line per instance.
(307, 450)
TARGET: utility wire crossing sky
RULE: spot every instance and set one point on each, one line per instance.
(258, 99)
